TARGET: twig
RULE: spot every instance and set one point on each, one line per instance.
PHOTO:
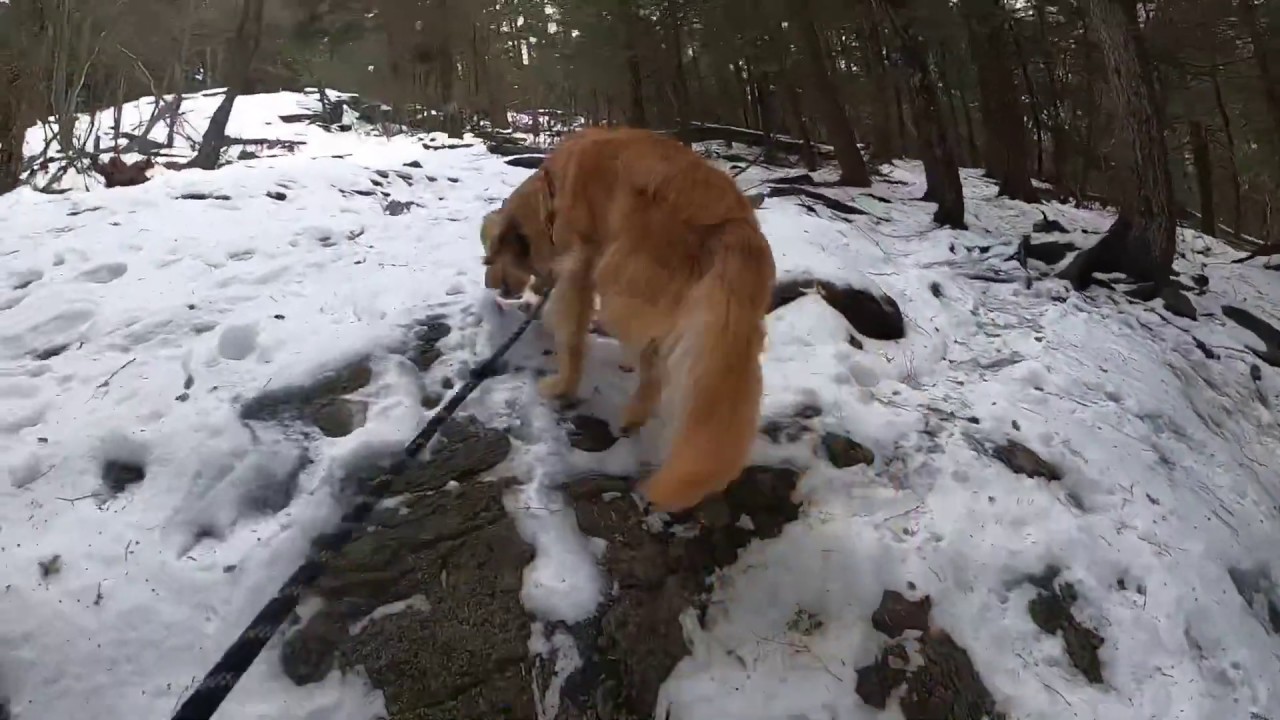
(126, 550)
(1055, 690)
(82, 497)
(106, 383)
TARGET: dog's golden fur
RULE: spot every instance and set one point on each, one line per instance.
(684, 276)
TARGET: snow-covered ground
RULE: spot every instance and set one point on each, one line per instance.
(134, 321)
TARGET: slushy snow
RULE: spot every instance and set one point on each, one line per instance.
(134, 322)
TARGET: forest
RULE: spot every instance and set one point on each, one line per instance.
(1168, 110)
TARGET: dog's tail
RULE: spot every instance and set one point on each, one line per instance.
(713, 367)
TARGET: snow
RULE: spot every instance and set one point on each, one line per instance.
(133, 323)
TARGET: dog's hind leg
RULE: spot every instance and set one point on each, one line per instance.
(645, 398)
(569, 317)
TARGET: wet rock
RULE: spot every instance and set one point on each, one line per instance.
(308, 654)
(632, 645)
(1023, 460)
(845, 452)
(414, 164)
(424, 352)
(466, 657)
(589, 434)
(1050, 610)
(117, 475)
(897, 614)
(464, 448)
(872, 315)
(277, 195)
(339, 417)
(302, 402)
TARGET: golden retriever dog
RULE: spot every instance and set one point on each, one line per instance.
(684, 277)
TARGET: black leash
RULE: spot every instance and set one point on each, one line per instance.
(222, 678)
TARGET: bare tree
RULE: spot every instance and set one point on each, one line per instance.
(242, 48)
(1141, 242)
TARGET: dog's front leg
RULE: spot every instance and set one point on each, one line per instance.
(569, 316)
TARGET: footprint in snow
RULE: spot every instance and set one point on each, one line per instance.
(104, 273)
(238, 342)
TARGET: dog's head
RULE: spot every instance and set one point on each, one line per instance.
(517, 240)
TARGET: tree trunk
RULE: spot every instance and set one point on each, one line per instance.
(244, 46)
(1004, 116)
(1199, 138)
(1142, 241)
(796, 111)
(636, 116)
(1248, 12)
(936, 146)
(675, 19)
(1237, 207)
(884, 144)
(826, 95)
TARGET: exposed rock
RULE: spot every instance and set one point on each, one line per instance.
(464, 448)
(466, 656)
(845, 452)
(308, 654)
(424, 353)
(528, 162)
(1023, 460)
(319, 404)
(589, 434)
(338, 417)
(945, 686)
(877, 681)
(510, 149)
(1050, 610)
(277, 195)
(395, 208)
(897, 614)
(872, 315)
(632, 645)
(204, 196)
(118, 475)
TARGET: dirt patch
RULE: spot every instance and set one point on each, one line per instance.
(944, 686)
(632, 645)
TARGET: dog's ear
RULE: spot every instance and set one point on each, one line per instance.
(510, 244)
